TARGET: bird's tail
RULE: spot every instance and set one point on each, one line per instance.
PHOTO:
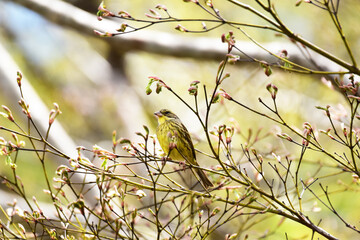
(204, 179)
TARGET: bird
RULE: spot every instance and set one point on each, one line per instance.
(175, 141)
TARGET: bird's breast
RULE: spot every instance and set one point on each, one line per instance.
(168, 135)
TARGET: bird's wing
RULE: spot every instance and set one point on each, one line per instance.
(185, 146)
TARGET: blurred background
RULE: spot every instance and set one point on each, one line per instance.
(99, 83)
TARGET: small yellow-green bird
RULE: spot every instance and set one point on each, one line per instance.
(175, 138)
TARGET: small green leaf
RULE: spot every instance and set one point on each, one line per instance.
(124, 140)
(146, 129)
(158, 87)
(216, 98)
(122, 27)
(104, 163)
(148, 87)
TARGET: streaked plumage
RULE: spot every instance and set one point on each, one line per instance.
(172, 134)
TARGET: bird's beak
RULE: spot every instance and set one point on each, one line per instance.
(158, 114)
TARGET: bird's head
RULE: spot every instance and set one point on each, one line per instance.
(164, 115)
